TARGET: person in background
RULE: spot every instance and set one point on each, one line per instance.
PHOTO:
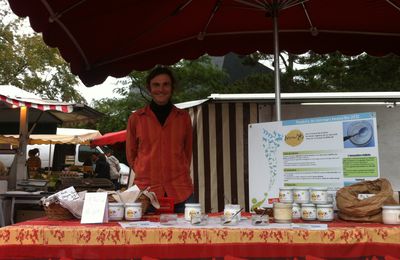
(33, 163)
(102, 169)
(3, 169)
(114, 169)
(159, 143)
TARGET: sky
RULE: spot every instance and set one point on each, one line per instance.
(98, 92)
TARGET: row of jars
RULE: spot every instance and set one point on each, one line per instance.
(127, 211)
(286, 212)
(315, 195)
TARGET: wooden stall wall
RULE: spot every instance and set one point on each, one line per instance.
(219, 167)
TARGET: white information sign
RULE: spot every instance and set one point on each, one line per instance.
(332, 152)
(95, 208)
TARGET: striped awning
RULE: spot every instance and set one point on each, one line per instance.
(39, 104)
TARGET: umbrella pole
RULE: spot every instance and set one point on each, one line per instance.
(275, 11)
(23, 143)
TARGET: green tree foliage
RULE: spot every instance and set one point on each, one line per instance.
(26, 62)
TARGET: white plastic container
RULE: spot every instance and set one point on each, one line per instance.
(319, 195)
(116, 211)
(133, 211)
(296, 211)
(301, 195)
(308, 211)
(325, 212)
(192, 210)
(286, 194)
(230, 210)
(391, 215)
(282, 212)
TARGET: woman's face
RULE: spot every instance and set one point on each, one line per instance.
(161, 89)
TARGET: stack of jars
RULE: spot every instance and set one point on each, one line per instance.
(307, 203)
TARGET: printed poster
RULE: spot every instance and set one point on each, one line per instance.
(333, 152)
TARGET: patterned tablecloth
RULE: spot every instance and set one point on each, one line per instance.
(43, 238)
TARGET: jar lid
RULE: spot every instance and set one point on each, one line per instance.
(116, 204)
(391, 207)
(307, 205)
(133, 204)
(301, 188)
(286, 188)
(324, 206)
(319, 188)
(282, 205)
(192, 204)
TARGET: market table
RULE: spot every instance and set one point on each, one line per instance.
(44, 239)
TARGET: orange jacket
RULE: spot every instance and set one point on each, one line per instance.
(161, 155)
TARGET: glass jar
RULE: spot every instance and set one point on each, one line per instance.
(325, 212)
(391, 214)
(308, 211)
(192, 210)
(286, 194)
(232, 209)
(116, 211)
(296, 211)
(301, 195)
(133, 211)
(282, 212)
(319, 195)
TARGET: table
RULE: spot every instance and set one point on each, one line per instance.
(43, 238)
(21, 197)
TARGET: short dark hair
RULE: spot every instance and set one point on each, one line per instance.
(159, 70)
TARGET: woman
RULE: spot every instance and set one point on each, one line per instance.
(159, 142)
(33, 163)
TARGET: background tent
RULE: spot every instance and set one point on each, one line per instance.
(24, 113)
(109, 139)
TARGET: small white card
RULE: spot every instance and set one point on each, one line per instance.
(68, 194)
(95, 208)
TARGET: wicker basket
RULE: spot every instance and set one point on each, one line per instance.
(56, 212)
(145, 202)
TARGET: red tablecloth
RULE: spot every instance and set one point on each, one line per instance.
(45, 239)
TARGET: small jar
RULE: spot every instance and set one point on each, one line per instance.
(325, 212)
(391, 214)
(296, 211)
(133, 211)
(301, 195)
(319, 195)
(116, 211)
(230, 210)
(286, 194)
(282, 212)
(308, 211)
(192, 210)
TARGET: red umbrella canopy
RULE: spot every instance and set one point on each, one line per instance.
(109, 139)
(112, 38)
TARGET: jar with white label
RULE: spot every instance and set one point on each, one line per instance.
(325, 212)
(319, 195)
(133, 211)
(286, 194)
(391, 214)
(308, 211)
(192, 210)
(296, 211)
(301, 195)
(230, 210)
(282, 212)
(116, 211)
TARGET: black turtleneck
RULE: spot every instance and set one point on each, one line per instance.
(161, 112)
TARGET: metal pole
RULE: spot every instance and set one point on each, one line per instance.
(275, 11)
